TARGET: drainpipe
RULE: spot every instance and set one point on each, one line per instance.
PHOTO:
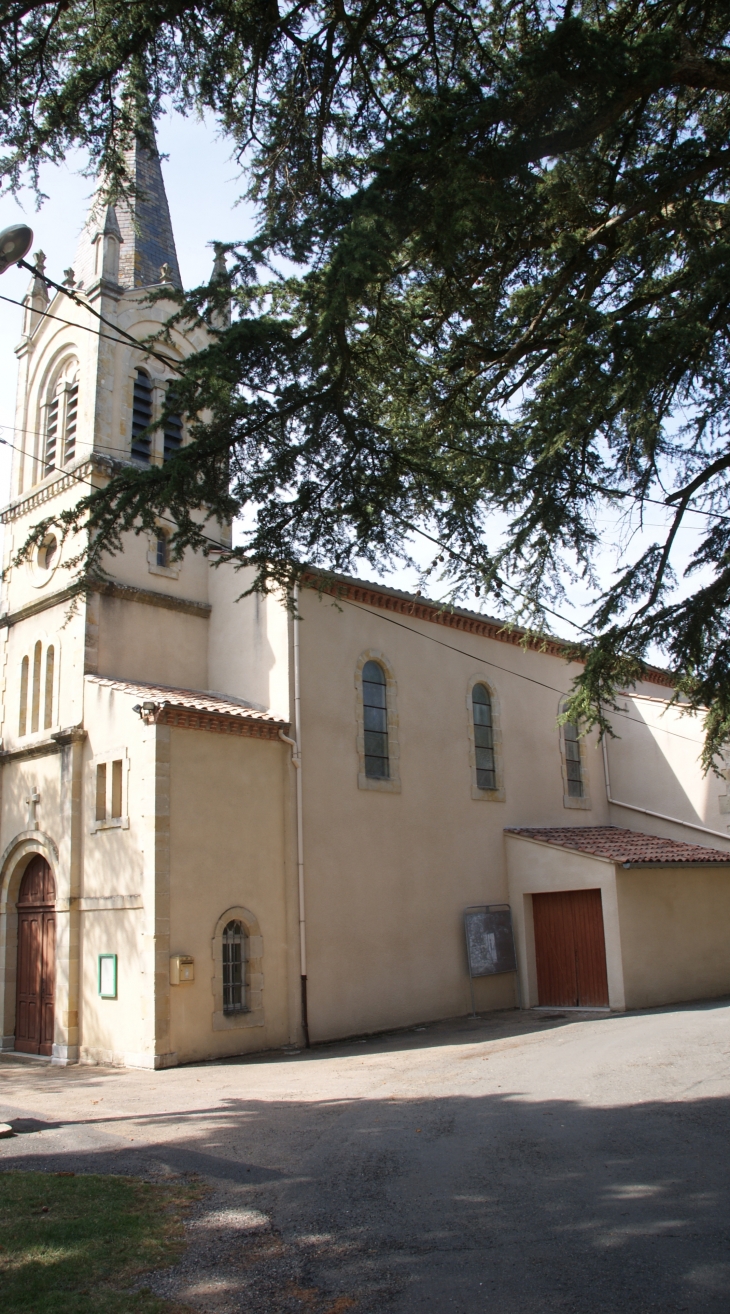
(296, 758)
(647, 812)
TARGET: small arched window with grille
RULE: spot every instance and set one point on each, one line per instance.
(486, 769)
(375, 721)
(141, 417)
(234, 968)
(37, 690)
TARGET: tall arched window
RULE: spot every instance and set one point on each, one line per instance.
(375, 722)
(173, 433)
(23, 718)
(573, 763)
(141, 417)
(61, 419)
(234, 968)
(35, 710)
(69, 428)
(483, 737)
(48, 692)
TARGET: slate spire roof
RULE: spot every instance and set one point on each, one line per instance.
(147, 238)
(144, 226)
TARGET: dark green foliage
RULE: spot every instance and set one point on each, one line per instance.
(508, 231)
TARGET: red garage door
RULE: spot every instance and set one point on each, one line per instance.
(570, 950)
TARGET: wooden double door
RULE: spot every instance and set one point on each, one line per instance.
(36, 978)
(570, 949)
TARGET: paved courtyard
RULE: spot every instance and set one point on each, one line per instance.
(513, 1164)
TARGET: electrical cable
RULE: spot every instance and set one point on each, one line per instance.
(84, 305)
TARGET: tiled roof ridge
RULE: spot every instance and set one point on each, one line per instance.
(373, 594)
(618, 844)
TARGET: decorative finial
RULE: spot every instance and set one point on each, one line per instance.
(165, 273)
(40, 262)
(69, 278)
(220, 272)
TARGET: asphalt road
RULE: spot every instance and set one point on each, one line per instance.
(510, 1165)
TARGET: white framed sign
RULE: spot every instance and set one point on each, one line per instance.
(108, 976)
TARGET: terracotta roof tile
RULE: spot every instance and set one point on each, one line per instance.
(192, 699)
(629, 847)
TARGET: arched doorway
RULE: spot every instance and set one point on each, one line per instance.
(36, 981)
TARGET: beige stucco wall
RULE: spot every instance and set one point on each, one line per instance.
(141, 642)
(675, 934)
(535, 868)
(248, 642)
(228, 850)
(388, 875)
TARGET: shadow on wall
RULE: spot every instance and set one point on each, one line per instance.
(493, 1203)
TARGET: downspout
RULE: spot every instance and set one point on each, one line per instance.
(296, 758)
(647, 812)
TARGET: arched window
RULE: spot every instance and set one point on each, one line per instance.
(61, 419)
(375, 721)
(69, 428)
(48, 698)
(23, 718)
(162, 556)
(35, 711)
(483, 737)
(141, 417)
(173, 433)
(573, 764)
(234, 968)
(51, 435)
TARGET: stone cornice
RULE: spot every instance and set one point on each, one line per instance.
(109, 589)
(465, 622)
(59, 482)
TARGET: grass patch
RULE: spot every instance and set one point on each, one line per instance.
(72, 1245)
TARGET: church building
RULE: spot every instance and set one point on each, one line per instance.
(228, 826)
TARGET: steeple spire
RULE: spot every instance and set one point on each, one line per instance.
(146, 229)
(142, 228)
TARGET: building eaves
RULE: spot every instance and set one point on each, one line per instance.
(628, 848)
(192, 709)
(373, 594)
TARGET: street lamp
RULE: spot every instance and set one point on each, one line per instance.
(15, 243)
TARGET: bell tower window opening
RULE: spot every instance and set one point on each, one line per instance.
(234, 967)
(141, 418)
(51, 436)
(69, 434)
(173, 433)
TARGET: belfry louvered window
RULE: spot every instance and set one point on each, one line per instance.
(51, 436)
(483, 737)
(69, 428)
(173, 433)
(573, 764)
(141, 418)
(375, 721)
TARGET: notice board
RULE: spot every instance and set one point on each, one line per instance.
(490, 944)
